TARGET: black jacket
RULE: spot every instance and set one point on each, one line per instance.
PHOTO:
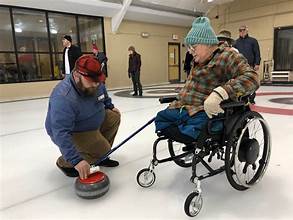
(134, 63)
(188, 62)
(248, 46)
(101, 56)
(74, 53)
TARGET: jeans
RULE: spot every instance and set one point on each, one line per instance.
(188, 125)
(92, 145)
(136, 82)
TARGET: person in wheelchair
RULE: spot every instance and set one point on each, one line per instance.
(221, 82)
(219, 74)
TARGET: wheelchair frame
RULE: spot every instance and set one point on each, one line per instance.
(211, 144)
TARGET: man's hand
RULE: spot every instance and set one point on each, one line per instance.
(129, 75)
(212, 103)
(256, 67)
(83, 168)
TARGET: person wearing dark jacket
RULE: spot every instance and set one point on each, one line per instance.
(101, 56)
(188, 63)
(134, 64)
(70, 54)
(248, 46)
(81, 119)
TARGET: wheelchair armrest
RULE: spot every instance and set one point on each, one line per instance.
(214, 128)
(231, 104)
(167, 99)
(244, 100)
(248, 98)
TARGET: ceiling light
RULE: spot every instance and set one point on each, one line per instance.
(41, 20)
(54, 31)
(210, 0)
(18, 30)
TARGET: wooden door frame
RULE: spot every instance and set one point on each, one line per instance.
(179, 61)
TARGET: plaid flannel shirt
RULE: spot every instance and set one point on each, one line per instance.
(227, 68)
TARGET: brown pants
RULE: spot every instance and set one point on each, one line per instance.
(93, 144)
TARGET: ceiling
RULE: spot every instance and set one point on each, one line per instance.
(171, 12)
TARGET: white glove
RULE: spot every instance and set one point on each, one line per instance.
(212, 103)
(94, 169)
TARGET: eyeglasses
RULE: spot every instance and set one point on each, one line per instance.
(240, 30)
(192, 48)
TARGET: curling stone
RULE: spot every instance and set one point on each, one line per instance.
(95, 186)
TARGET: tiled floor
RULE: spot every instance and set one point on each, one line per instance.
(33, 188)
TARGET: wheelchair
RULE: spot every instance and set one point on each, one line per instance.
(239, 138)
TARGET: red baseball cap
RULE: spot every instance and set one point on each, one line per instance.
(89, 67)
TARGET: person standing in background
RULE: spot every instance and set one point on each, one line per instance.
(27, 64)
(188, 63)
(101, 58)
(134, 64)
(225, 36)
(249, 47)
(70, 54)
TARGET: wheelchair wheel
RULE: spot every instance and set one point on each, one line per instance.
(193, 204)
(248, 151)
(176, 148)
(146, 178)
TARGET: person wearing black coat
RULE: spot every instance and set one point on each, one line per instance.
(249, 47)
(70, 54)
(134, 65)
(101, 56)
(188, 63)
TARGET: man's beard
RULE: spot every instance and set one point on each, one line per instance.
(86, 91)
(92, 91)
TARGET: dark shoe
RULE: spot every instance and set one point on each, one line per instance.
(71, 172)
(140, 94)
(109, 163)
(134, 94)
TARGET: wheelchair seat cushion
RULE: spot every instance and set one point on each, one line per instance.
(174, 133)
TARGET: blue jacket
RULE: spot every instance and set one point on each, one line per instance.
(248, 46)
(70, 111)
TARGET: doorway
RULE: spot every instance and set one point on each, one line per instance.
(174, 62)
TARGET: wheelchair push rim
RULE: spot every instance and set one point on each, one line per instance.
(248, 154)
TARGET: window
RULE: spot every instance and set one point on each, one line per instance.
(31, 42)
(283, 49)
(6, 42)
(59, 26)
(30, 31)
(57, 65)
(91, 32)
(8, 68)
(34, 66)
